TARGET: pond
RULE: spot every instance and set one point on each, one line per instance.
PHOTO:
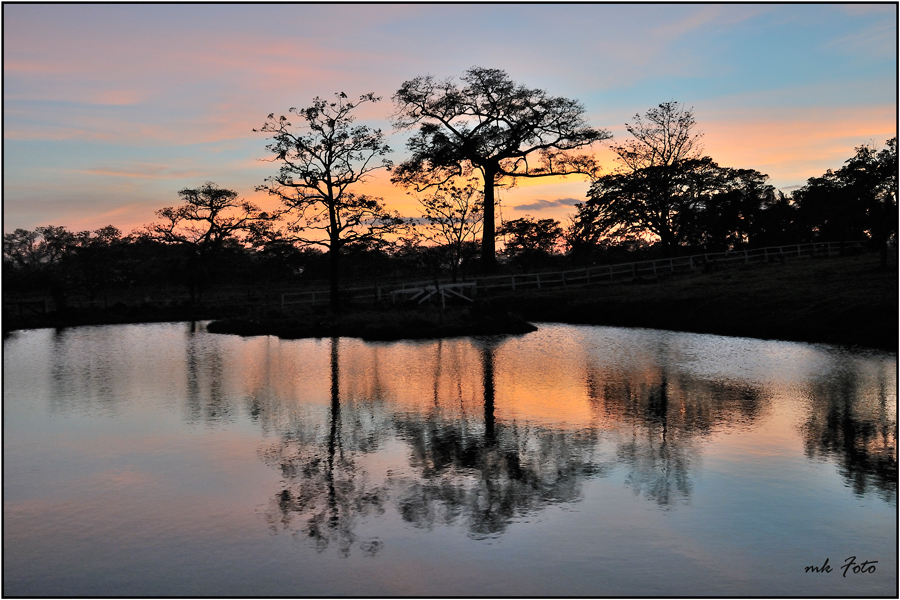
(161, 459)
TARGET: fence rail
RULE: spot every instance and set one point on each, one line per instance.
(522, 281)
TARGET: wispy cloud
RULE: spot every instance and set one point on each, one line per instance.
(169, 96)
(878, 39)
(144, 171)
(544, 204)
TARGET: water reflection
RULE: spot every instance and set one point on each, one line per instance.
(485, 434)
(324, 489)
(855, 429)
(490, 473)
(207, 398)
(664, 418)
(464, 465)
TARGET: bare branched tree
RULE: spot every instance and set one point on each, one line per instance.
(320, 165)
(663, 137)
(454, 216)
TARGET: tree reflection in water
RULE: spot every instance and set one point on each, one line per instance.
(856, 428)
(465, 466)
(323, 487)
(488, 476)
(207, 398)
(664, 420)
(462, 448)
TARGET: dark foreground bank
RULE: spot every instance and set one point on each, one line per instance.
(847, 301)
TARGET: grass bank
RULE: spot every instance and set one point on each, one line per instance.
(844, 300)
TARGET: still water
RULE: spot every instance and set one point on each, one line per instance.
(163, 460)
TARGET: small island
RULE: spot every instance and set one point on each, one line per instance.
(382, 325)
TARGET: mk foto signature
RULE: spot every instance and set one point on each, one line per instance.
(850, 565)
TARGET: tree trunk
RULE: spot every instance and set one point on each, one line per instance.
(333, 443)
(334, 276)
(455, 256)
(334, 249)
(488, 258)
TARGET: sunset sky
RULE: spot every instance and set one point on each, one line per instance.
(109, 110)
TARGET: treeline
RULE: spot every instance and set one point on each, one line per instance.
(664, 197)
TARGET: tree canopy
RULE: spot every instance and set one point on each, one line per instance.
(209, 218)
(664, 188)
(858, 200)
(490, 123)
(530, 240)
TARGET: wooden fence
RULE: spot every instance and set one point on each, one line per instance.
(633, 270)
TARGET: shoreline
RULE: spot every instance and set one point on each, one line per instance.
(841, 301)
(382, 326)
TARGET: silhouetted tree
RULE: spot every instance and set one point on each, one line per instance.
(627, 205)
(857, 201)
(44, 258)
(641, 193)
(776, 223)
(97, 258)
(489, 123)
(453, 215)
(209, 219)
(530, 240)
(663, 137)
(729, 202)
(692, 202)
(320, 165)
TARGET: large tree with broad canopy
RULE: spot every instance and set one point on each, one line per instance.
(489, 123)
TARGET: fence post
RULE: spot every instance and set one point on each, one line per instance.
(746, 257)
(513, 279)
(563, 275)
(539, 280)
(691, 263)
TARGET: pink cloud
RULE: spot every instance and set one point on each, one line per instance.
(144, 171)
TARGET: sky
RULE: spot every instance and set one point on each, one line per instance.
(110, 109)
